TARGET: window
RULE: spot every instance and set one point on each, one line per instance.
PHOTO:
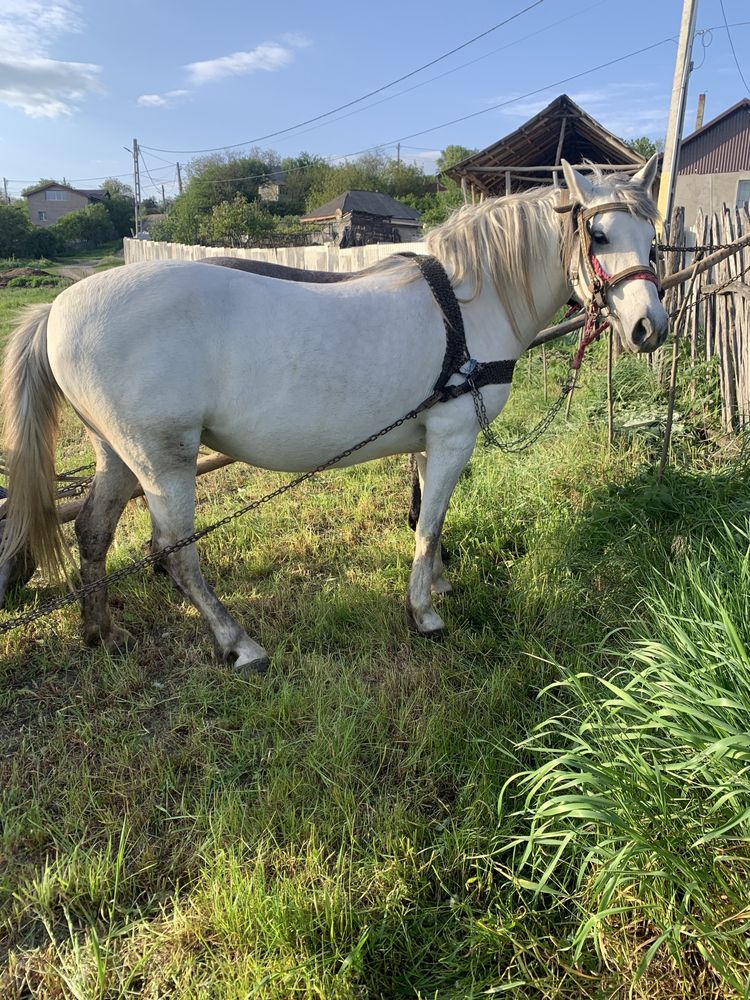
(41, 216)
(51, 195)
(743, 193)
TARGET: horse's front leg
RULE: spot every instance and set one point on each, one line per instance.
(440, 585)
(439, 470)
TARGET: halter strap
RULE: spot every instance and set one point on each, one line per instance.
(601, 282)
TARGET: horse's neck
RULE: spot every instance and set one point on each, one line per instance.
(488, 319)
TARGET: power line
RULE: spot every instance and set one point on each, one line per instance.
(502, 104)
(357, 100)
(731, 46)
(454, 69)
(514, 100)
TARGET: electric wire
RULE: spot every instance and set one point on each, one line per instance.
(357, 100)
(731, 46)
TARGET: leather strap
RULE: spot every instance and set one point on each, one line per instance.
(456, 350)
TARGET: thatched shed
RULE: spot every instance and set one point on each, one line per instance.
(531, 155)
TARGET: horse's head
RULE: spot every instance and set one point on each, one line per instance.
(612, 253)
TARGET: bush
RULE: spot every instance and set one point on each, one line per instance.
(86, 227)
(19, 238)
(39, 281)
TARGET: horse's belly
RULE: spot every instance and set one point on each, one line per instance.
(293, 447)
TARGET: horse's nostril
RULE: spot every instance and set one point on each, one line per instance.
(641, 331)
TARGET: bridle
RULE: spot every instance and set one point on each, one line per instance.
(598, 282)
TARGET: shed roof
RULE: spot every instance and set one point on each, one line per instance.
(721, 145)
(371, 202)
(562, 130)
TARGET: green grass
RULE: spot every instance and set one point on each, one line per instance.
(104, 250)
(381, 816)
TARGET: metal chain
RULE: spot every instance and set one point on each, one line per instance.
(525, 440)
(154, 557)
(700, 248)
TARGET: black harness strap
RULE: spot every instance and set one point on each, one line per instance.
(457, 359)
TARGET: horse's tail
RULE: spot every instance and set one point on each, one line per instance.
(30, 404)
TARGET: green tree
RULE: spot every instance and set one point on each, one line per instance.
(452, 155)
(40, 183)
(89, 226)
(19, 238)
(119, 202)
(645, 146)
(15, 228)
(236, 223)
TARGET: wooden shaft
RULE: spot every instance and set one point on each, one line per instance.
(68, 511)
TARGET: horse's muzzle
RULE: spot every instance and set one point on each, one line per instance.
(648, 333)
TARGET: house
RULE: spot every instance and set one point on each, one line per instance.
(357, 218)
(52, 201)
(531, 155)
(714, 164)
(270, 189)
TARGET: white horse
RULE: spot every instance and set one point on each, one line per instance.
(157, 358)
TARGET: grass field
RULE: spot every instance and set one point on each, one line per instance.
(552, 803)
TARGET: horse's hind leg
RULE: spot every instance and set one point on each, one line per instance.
(95, 528)
(171, 500)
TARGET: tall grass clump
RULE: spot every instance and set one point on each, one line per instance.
(637, 811)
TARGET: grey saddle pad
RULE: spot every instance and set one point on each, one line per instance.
(280, 270)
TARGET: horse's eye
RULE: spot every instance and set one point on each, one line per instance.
(599, 238)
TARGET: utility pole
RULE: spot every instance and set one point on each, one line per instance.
(5, 188)
(398, 153)
(163, 200)
(179, 180)
(682, 68)
(136, 186)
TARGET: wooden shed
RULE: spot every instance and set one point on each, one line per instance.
(531, 155)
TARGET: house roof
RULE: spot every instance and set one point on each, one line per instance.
(721, 145)
(98, 194)
(371, 202)
(562, 130)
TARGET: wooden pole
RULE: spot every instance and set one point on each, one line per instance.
(677, 110)
(673, 377)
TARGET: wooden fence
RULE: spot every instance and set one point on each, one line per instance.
(717, 314)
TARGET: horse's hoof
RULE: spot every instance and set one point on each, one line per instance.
(252, 668)
(436, 633)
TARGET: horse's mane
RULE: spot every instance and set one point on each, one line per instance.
(500, 236)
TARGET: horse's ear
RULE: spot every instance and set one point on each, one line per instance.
(580, 187)
(647, 175)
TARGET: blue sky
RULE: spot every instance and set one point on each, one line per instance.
(80, 79)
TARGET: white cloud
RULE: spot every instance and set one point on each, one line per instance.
(39, 86)
(267, 56)
(167, 100)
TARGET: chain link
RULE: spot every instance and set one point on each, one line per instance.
(525, 440)
(699, 248)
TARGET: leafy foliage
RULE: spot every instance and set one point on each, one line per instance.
(19, 238)
(235, 223)
(88, 226)
(645, 146)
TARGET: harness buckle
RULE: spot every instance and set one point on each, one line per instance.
(468, 368)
